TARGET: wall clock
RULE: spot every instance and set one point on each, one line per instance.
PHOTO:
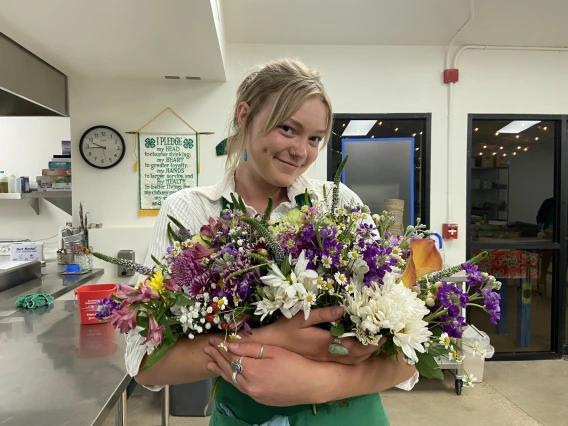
(102, 147)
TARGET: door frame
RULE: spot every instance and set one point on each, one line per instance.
(424, 213)
(559, 344)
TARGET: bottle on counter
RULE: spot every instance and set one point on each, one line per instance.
(12, 183)
(3, 183)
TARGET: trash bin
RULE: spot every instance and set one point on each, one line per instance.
(474, 363)
(189, 400)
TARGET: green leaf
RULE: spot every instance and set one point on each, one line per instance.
(167, 330)
(183, 300)
(428, 367)
(173, 234)
(286, 268)
(438, 350)
(142, 321)
(176, 222)
(158, 353)
(267, 212)
(156, 261)
(338, 330)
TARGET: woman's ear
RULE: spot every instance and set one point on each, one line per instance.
(242, 113)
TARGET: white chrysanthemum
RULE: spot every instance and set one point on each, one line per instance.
(340, 278)
(326, 261)
(390, 308)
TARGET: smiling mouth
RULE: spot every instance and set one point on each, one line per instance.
(288, 164)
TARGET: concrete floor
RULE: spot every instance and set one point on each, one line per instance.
(513, 393)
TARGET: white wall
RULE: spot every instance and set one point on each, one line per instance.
(359, 79)
(26, 146)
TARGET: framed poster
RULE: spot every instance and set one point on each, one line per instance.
(168, 163)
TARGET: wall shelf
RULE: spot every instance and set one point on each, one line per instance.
(60, 199)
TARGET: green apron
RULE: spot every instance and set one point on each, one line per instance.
(234, 408)
(364, 410)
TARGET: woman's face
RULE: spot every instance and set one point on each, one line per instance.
(284, 153)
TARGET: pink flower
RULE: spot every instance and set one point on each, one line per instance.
(210, 231)
(124, 319)
(124, 291)
(171, 285)
(154, 333)
(198, 251)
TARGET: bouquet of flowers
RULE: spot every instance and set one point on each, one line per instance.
(241, 272)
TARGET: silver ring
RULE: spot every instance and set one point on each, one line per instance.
(261, 350)
(237, 366)
(235, 374)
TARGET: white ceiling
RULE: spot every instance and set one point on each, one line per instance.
(154, 38)
(119, 38)
(396, 22)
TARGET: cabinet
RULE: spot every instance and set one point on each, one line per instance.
(490, 194)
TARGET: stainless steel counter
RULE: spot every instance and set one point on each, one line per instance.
(56, 372)
(50, 282)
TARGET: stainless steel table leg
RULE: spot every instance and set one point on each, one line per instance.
(121, 412)
(166, 406)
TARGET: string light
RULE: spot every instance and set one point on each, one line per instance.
(504, 155)
(343, 124)
(417, 149)
(496, 133)
(536, 138)
(372, 136)
(526, 149)
(396, 129)
(484, 146)
(414, 134)
(517, 136)
(494, 153)
(481, 153)
(380, 123)
(514, 153)
(500, 147)
(476, 129)
(420, 132)
(519, 147)
(544, 128)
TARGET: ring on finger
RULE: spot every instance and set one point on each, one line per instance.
(235, 374)
(261, 350)
(237, 366)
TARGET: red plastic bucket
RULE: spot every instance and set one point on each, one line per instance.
(87, 296)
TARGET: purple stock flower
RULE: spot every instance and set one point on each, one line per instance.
(452, 298)
(452, 325)
(491, 299)
(105, 307)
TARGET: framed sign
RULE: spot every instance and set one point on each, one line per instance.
(168, 163)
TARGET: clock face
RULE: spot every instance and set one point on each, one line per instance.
(102, 147)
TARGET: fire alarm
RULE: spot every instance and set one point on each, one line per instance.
(450, 231)
(451, 75)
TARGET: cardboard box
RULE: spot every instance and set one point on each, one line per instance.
(56, 172)
(42, 180)
(487, 160)
(26, 251)
(501, 161)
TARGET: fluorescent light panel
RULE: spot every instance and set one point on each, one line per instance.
(358, 127)
(517, 126)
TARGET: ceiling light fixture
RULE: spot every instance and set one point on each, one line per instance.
(517, 126)
(358, 127)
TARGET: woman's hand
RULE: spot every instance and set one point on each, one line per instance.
(278, 378)
(306, 339)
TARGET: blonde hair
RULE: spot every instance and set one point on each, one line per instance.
(293, 81)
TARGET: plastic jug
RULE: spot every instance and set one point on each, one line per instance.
(3, 183)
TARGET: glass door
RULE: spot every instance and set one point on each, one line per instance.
(515, 214)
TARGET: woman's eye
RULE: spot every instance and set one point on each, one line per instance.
(316, 139)
(286, 129)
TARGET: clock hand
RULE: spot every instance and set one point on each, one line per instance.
(98, 146)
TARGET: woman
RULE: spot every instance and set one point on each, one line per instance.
(281, 122)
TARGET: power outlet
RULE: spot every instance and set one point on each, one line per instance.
(127, 255)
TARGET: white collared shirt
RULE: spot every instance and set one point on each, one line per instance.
(193, 207)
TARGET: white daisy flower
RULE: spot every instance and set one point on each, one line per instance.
(321, 283)
(446, 341)
(235, 336)
(177, 245)
(326, 261)
(352, 255)
(340, 278)
(468, 380)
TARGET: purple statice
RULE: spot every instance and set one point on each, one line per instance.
(452, 298)
(452, 325)
(105, 307)
(491, 299)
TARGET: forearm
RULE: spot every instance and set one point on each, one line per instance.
(185, 362)
(376, 374)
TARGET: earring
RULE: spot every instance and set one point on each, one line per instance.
(245, 155)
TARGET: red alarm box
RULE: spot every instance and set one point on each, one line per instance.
(450, 231)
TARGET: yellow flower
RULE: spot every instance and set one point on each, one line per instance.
(157, 281)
